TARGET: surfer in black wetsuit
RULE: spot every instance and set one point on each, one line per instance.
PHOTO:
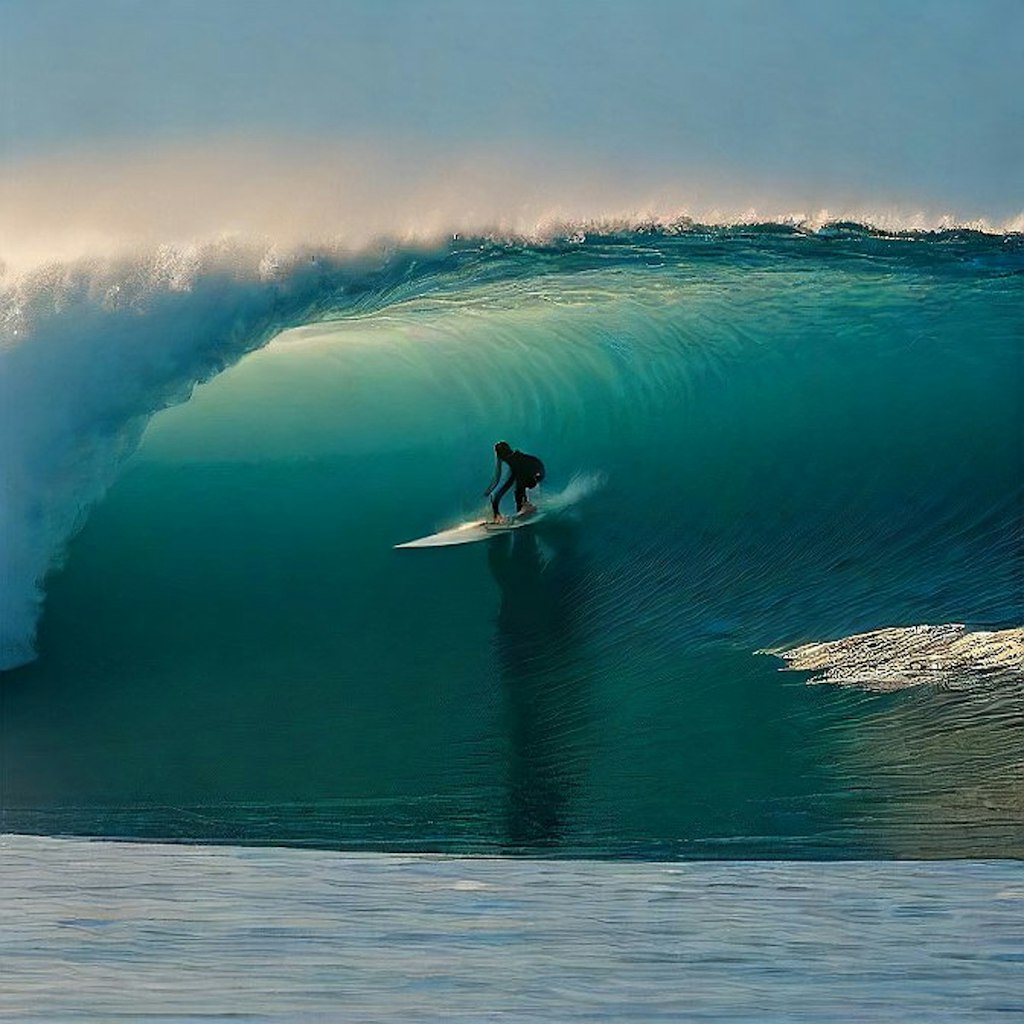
(524, 471)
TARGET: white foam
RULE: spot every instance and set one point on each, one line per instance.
(890, 659)
(580, 486)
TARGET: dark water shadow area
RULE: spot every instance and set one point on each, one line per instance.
(538, 646)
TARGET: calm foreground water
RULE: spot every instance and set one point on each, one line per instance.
(97, 930)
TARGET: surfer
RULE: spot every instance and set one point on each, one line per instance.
(525, 471)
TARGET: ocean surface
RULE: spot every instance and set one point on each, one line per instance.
(100, 931)
(757, 439)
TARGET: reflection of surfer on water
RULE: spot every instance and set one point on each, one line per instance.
(525, 471)
(538, 647)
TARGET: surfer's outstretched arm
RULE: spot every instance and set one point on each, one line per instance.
(495, 478)
(500, 493)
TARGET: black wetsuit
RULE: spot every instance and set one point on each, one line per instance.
(524, 471)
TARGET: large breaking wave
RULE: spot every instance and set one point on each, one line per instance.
(92, 349)
(809, 438)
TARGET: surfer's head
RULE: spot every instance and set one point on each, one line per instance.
(503, 449)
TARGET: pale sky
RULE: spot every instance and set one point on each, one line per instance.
(919, 100)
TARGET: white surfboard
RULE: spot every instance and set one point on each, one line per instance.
(474, 530)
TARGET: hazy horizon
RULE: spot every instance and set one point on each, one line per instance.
(125, 121)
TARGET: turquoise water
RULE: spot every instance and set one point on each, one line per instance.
(101, 931)
(777, 438)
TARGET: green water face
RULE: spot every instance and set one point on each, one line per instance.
(234, 651)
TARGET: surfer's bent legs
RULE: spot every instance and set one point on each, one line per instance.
(522, 483)
(521, 494)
